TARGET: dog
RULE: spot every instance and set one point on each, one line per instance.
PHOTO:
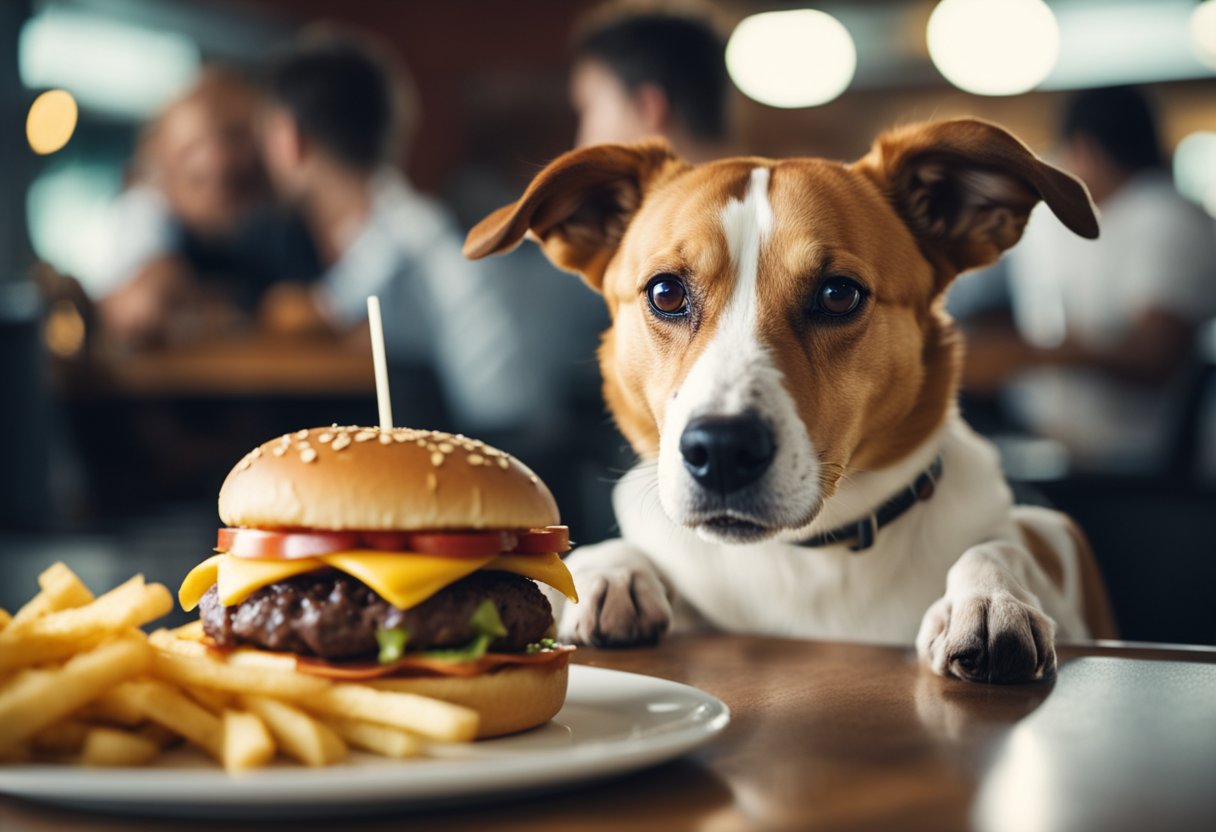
(781, 360)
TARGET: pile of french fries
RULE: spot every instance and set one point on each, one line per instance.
(80, 682)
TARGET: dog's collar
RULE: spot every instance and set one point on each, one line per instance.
(865, 530)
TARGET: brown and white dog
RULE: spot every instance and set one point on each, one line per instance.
(781, 360)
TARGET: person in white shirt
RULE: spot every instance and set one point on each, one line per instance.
(1105, 328)
(335, 115)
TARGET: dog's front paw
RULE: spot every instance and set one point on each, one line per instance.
(622, 606)
(995, 638)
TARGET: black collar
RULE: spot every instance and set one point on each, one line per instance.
(865, 530)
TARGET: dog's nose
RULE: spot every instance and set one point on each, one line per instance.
(726, 453)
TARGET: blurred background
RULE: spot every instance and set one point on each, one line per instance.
(196, 198)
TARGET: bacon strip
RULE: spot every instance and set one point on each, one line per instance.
(414, 665)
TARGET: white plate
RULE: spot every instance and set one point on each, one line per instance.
(612, 722)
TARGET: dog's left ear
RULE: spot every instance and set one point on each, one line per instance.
(966, 188)
(578, 207)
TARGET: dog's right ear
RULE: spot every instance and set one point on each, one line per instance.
(578, 207)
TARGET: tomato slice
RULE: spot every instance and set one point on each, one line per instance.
(258, 543)
(274, 545)
(543, 541)
(462, 544)
(386, 541)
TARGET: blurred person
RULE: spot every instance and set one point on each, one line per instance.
(1103, 331)
(648, 71)
(336, 117)
(196, 222)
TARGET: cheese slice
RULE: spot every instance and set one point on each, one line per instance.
(548, 569)
(404, 579)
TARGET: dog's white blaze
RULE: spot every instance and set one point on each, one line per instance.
(736, 373)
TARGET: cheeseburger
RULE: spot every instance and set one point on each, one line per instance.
(404, 556)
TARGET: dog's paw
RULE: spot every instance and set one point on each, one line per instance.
(621, 606)
(995, 638)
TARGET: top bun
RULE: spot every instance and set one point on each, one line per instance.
(399, 480)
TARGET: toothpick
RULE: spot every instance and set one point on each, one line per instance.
(379, 362)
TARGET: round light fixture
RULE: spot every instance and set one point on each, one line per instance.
(798, 58)
(993, 47)
(51, 121)
(1203, 32)
(1195, 169)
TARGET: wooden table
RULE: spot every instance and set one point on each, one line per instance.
(841, 736)
(253, 364)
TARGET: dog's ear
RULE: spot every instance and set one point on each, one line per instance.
(578, 207)
(966, 188)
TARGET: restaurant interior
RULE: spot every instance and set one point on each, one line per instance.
(181, 279)
(120, 432)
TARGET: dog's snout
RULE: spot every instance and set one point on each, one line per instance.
(726, 453)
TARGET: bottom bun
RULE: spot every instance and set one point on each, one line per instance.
(511, 699)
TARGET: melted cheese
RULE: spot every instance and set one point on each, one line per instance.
(404, 579)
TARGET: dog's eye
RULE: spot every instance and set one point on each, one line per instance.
(667, 296)
(838, 296)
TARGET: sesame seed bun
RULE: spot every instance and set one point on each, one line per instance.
(509, 700)
(339, 478)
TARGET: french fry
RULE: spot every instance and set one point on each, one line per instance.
(167, 641)
(298, 734)
(55, 635)
(215, 701)
(432, 718)
(19, 651)
(189, 632)
(207, 671)
(378, 739)
(111, 747)
(247, 743)
(35, 699)
(61, 590)
(61, 736)
(115, 706)
(171, 708)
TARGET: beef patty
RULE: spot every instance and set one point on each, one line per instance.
(334, 616)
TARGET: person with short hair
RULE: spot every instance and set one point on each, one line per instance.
(336, 116)
(652, 73)
(1105, 328)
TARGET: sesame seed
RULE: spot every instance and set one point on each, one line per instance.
(534, 478)
(401, 436)
(432, 482)
(302, 434)
(364, 435)
(385, 439)
(475, 459)
(256, 452)
(503, 463)
(437, 459)
(421, 443)
(280, 450)
(445, 447)
(244, 466)
(341, 441)
(308, 455)
(325, 437)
